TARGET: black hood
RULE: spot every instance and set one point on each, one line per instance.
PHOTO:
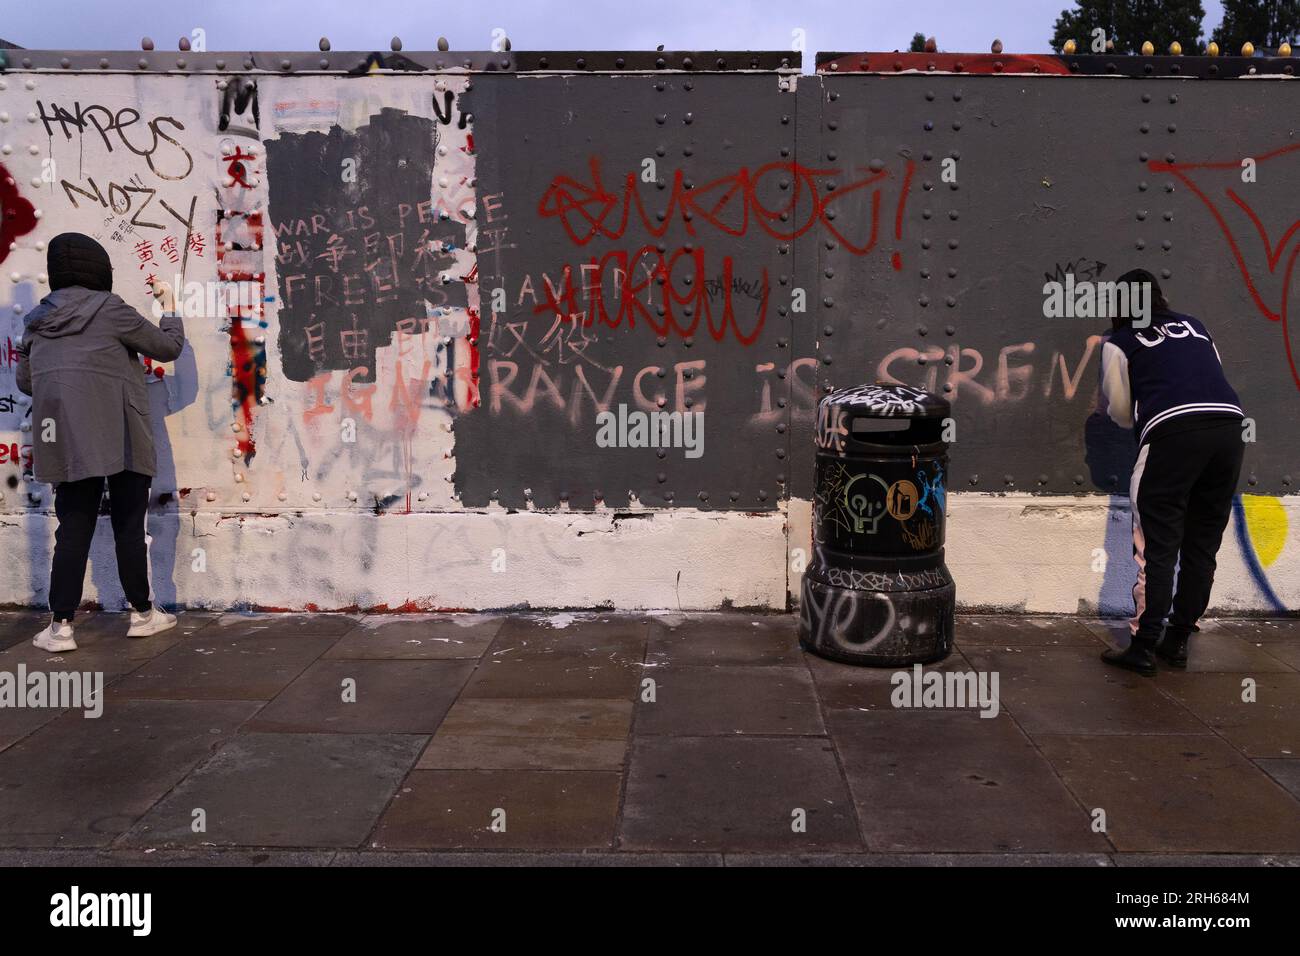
(77, 260)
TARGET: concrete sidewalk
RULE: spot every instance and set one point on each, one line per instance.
(672, 738)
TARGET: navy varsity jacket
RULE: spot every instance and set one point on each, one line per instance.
(1155, 378)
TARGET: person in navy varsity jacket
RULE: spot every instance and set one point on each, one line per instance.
(1166, 382)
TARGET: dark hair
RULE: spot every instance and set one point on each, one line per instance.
(1158, 301)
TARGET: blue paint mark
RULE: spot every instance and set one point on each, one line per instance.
(931, 489)
(1248, 553)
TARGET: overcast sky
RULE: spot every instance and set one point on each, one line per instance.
(1024, 26)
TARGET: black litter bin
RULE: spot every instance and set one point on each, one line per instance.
(876, 590)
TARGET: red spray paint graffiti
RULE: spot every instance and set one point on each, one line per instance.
(1274, 255)
(248, 374)
(17, 215)
(236, 266)
(729, 205)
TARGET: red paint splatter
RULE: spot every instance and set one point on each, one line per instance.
(896, 259)
(17, 215)
(472, 394)
(243, 368)
(409, 607)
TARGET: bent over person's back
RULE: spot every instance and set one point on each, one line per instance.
(1166, 381)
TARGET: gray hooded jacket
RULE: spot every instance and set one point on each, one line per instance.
(79, 360)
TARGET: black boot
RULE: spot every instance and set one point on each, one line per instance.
(1136, 657)
(1172, 649)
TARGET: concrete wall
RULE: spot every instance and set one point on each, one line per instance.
(448, 272)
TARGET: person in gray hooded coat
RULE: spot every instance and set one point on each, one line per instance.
(79, 359)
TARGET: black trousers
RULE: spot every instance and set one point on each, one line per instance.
(76, 504)
(1181, 497)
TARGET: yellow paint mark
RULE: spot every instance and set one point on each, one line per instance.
(1266, 522)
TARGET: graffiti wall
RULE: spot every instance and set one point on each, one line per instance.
(550, 329)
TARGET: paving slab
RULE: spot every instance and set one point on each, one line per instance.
(917, 859)
(1068, 690)
(154, 858)
(945, 781)
(418, 637)
(284, 790)
(83, 782)
(424, 859)
(533, 718)
(1206, 859)
(1288, 652)
(1214, 649)
(850, 687)
(21, 660)
(17, 722)
(1264, 630)
(452, 752)
(1267, 727)
(542, 810)
(700, 700)
(489, 734)
(1018, 631)
(736, 794)
(221, 664)
(1177, 794)
(1115, 632)
(1285, 771)
(385, 697)
(104, 647)
(556, 675)
(724, 639)
(114, 625)
(239, 624)
(616, 638)
(542, 714)
(19, 627)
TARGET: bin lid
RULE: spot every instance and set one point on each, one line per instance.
(889, 401)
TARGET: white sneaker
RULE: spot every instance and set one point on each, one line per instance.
(152, 621)
(56, 638)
